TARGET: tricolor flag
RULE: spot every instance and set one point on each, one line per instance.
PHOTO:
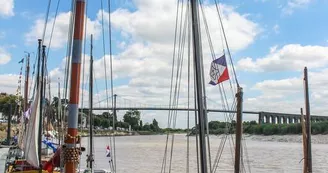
(219, 71)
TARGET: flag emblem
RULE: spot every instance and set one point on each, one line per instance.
(219, 71)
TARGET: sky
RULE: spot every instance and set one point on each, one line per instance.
(270, 42)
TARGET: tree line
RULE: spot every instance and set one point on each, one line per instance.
(252, 127)
(130, 118)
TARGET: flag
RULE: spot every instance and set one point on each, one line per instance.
(21, 61)
(219, 71)
(107, 151)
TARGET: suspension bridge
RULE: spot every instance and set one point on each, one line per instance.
(123, 103)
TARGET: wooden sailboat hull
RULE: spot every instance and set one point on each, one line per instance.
(32, 171)
(24, 167)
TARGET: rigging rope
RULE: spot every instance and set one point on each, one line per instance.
(225, 39)
(32, 80)
(172, 72)
(67, 69)
(178, 77)
(111, 77)
(84, 83)
(69, 49)
(106, 83)
(188, 113)
(53, 27)
(46, 21)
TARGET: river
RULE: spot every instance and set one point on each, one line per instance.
(143, 154)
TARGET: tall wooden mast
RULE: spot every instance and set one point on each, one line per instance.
(239, 128)
(90, 157)
(27, 71)
(71, 152)
(308, 122)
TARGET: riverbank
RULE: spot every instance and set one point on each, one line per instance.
(292, 138)
(315, 139)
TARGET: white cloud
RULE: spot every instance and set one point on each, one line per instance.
(6, 8)
(287, 95)
(9, 83)
(61, 30)
(283, 86)
(156, 23)
(295, 4)
(5, 57)
(290, 57)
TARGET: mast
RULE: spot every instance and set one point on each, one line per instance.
(305, 165)
(59, 108)
(41, 106)
(9, 124)
(308, 121)
(38, 65)
(239, 129)
(71, 152)
(27, 71)
(197, 54)
(90, 157)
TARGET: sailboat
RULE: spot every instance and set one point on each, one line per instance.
(27, 156)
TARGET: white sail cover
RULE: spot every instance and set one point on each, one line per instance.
(31, 135)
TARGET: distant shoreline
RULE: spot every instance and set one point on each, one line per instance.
(290, 138)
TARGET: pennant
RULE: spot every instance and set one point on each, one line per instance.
(21, 61)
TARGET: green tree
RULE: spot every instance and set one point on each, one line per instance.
(7, 101)
(105, 123)
(109, 116)
(96, 121)
(212, 125)
(132, 117)
(146, 127)
(154, 126)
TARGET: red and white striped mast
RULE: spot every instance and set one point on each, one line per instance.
(71, 151)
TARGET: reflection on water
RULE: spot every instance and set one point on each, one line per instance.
(141, 154)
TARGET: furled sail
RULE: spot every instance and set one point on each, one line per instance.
(31, 137)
